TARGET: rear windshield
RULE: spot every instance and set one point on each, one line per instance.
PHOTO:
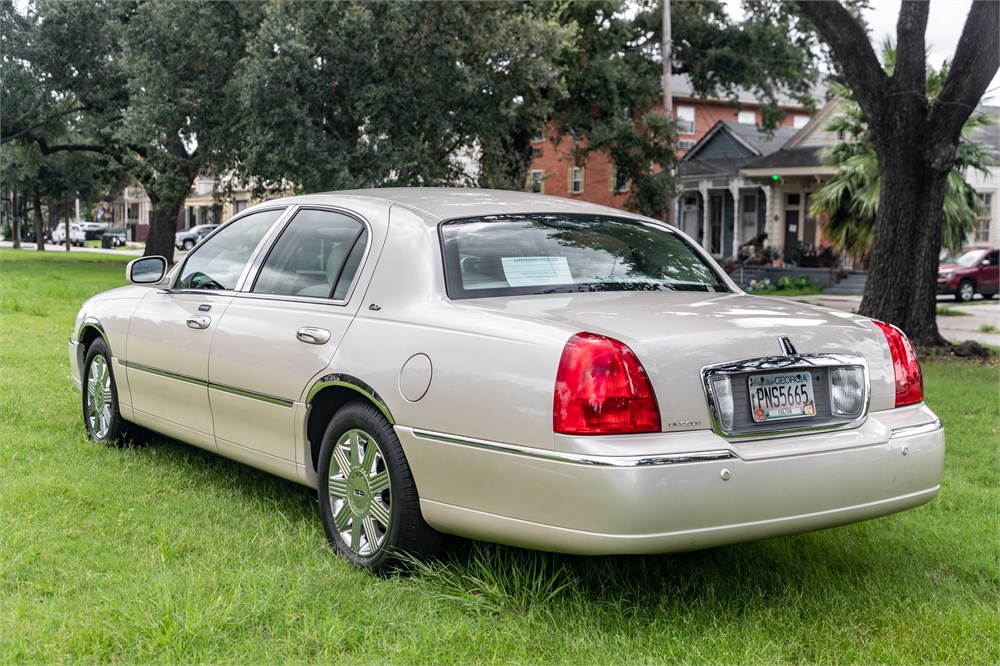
(510, 255)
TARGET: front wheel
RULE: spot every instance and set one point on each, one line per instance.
(100, 397)
(188, 244)
(368, 499)
(966, 290)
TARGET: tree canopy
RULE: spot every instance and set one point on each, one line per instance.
(849, 200)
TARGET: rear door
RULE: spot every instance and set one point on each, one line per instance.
(283, 330)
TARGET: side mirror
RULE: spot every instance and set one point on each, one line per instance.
(147, 270)
(986, 262)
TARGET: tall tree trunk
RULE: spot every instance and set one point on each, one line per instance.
(15, 222)
(902, 278)
(163, 223)
(53, 205)
(36, 203)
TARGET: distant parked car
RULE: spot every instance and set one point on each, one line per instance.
(76, 234)
(185, 240)
(93, 230)
(976, 270)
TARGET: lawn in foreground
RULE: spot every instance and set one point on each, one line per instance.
(168, 554)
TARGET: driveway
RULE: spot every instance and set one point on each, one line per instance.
(964, 321)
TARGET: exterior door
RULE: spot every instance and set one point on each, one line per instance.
(172, 332)
(280, 335)
(715, 224)
(791, 249)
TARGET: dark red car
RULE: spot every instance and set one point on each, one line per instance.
(974, 271)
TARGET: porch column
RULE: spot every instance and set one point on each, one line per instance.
(703, 191)
(734, 192)
(769, 220)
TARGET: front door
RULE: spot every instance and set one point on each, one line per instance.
(791, 249)
(172, 332)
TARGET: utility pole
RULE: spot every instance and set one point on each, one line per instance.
(668, 101)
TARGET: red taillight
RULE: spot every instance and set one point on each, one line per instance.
(909, 380)
(602, 389)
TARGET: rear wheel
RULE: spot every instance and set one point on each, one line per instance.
(100, 397)
(367, 496)
(966, 290)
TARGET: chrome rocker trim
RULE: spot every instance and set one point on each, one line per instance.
(263, 397)
(576, 459)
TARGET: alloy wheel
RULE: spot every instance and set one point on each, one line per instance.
(99, 397)
(360, 492)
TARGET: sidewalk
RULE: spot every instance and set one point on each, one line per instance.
(52, 247)
(975, 315)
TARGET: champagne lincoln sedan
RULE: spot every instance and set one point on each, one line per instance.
(509, 367)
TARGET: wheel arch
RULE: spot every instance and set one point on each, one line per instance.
(90, 330)
(326, 397)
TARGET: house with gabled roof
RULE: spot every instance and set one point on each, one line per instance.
(719, 207)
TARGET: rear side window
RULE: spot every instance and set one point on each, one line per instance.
(506, 255)
(318, 254)
(219, 261)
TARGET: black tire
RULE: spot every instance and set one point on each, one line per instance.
(101, 415)
(966, 290)
(188, 244)
(372, 516)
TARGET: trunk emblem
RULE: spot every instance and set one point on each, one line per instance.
(787, 348)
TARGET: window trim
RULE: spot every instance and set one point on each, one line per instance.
(573, 171)
(456, 292)
(693, 119)
(251, 261)
(246, 288)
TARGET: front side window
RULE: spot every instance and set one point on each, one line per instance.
(509, 255)
(219, 261)
(318, 254)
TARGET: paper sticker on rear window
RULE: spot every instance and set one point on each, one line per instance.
(530, 271)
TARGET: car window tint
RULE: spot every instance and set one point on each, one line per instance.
(545, 253)
(316, 255)
(219, 261)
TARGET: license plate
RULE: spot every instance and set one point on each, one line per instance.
(785, 396)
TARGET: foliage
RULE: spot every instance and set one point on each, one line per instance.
(785, 286)
(353, 94)
(850, 198)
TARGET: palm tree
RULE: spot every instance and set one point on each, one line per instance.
(850, 198)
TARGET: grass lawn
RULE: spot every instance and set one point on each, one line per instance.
(169, 554)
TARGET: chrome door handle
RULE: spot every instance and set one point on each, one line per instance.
(199, 322)
(313, 336)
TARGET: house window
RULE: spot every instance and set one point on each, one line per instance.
(685, 120)
(983, 221)
(536, 152)
(537, 182)
(747, 118)
(576, 180)
(619, 183)
(800, 120)
(793, 199)
(539, 134)
(685, 144)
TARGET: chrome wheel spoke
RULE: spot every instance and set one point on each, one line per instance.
(342, 518)
(355, 452)
(371, 533)
(379, 482)
(338, 488)
(368, 462)
(380, 512)
(342, 463)
(355, 542)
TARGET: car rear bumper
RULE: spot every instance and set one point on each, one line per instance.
(708, 497)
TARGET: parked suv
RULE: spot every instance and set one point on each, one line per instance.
(76, 235)
(185, 240)
(976, 270)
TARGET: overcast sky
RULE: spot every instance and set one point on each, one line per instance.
(944, 27)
